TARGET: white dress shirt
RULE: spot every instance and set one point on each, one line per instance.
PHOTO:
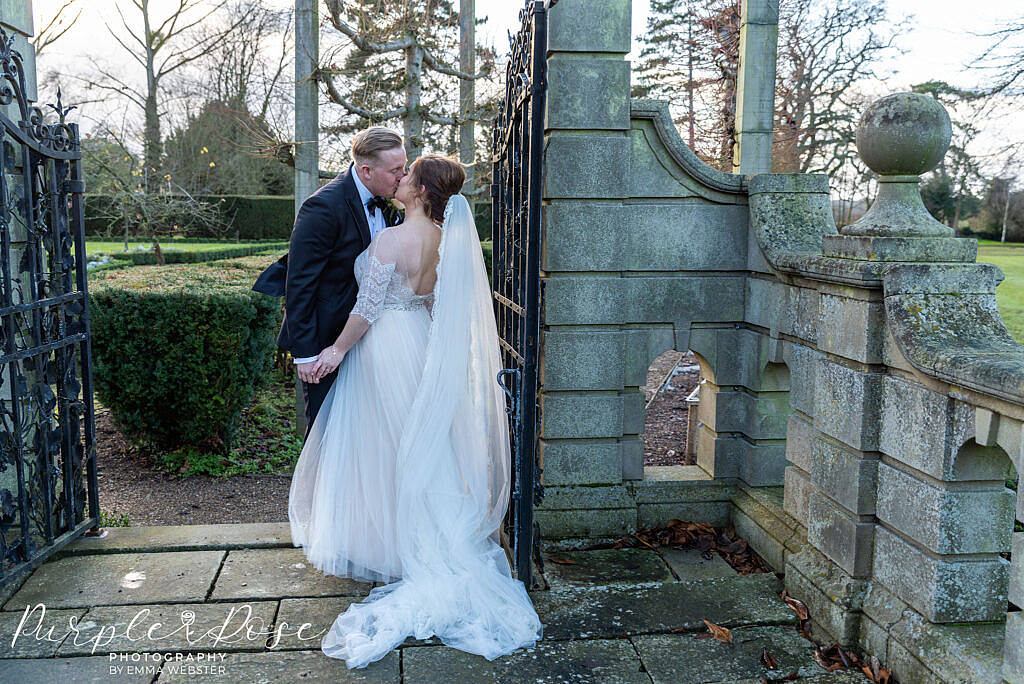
(375, 221)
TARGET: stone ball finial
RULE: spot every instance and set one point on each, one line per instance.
(904, 134)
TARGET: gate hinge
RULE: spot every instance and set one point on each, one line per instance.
(74, 187)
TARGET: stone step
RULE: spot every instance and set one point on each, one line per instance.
(673, 658)
(612, 611)
(594, 660)
(159, 538)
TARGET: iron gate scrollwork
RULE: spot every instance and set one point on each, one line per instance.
(47, 461)
(516, 231)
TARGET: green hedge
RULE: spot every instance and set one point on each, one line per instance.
(482, 218)
(488, 256)
(250, 218)
(215, 253)
(179, 351)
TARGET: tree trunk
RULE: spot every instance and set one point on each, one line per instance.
(1006, 212)
(467, 89)
(956, 215)
(689, 85)
(151, 132)
(307, 132)
(413, 95)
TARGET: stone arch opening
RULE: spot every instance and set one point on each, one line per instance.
(669, 409)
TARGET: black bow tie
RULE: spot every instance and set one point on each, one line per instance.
(376, 203)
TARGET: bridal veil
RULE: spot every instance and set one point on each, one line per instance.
(453, 470)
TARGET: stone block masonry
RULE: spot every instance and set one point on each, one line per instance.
(861, 402)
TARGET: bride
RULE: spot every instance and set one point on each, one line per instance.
(404, 477)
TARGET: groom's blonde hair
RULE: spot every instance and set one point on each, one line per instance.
(368, 144)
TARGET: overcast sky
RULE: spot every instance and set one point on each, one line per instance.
(942, 40)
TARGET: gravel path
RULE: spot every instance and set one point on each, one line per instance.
(671, 377)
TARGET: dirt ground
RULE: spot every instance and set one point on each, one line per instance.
(131, 484)
(670, 379)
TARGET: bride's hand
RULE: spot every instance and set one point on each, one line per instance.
(326, 363)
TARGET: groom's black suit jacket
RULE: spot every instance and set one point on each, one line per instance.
(316, 276)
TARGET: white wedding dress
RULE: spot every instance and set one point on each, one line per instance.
(404, 477)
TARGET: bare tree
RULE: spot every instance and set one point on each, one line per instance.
(693, 47)
(1004, 58)
(399, 49)
(253, 46)
(161, 47)
(119, 182)
(59, 24)
(825, 49)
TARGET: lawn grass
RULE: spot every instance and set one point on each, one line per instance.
(115, 246)
(1008, 256)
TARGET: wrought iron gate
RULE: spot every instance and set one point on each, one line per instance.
(47, 460)
(516, 222)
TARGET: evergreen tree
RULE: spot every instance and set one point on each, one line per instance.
(690, 57)
(398, 65)
(214, 153)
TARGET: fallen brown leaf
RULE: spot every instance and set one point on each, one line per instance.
(768, 660)
(829, 667)
(720, 633)
(563, 561)
(796, 605)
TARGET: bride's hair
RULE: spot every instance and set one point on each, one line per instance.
(441, 178)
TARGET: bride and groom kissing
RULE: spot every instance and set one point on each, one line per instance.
(404, 475)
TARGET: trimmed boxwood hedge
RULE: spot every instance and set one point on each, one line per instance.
(179, 351)
(251, 218)
(214, 253)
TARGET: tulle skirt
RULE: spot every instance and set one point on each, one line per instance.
(342, 509)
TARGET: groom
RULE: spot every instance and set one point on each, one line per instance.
(332, 227)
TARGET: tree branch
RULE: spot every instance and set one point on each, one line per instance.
(335, 8)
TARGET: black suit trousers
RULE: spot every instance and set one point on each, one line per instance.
(313, 395)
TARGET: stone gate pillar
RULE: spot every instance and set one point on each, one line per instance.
(592, 407)
(16, 18)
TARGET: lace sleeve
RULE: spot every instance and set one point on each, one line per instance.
(380, 266)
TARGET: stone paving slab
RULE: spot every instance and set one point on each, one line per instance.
(95, 669)
(604, 566)
(292, 666)
(279, 573)
(39, 637)
(689, 564)
(183, 538)
(837, 677)
(611, 661)
(320, 613)
(239, 626)
(119, 579)
(674, 658)
(611, 611)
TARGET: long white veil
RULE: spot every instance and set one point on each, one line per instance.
(453, 477)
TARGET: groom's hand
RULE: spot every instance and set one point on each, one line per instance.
(305, 371)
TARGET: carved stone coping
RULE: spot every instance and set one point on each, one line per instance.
(658, 112)
(946, 323)
(789, 214)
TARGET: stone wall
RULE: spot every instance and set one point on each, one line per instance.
(862, 404)
(16, 21)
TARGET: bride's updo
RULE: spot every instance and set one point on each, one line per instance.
(441, 177)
